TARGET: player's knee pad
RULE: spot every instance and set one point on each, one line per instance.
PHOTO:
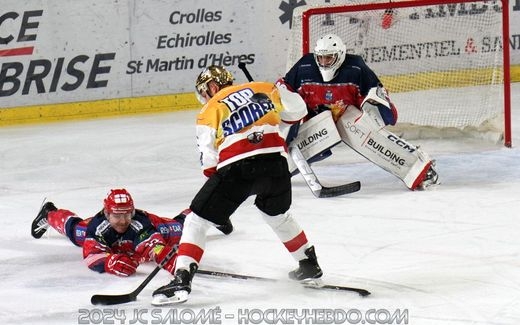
(195, 228)
(283, 225)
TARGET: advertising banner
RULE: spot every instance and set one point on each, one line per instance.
(75, 51)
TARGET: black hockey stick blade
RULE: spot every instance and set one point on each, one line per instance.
(310, 285)
(339, 190)
(361, 292)
(107, 300)
(125, 297)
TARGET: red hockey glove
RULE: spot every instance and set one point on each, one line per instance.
(120, 264)
(160, 253)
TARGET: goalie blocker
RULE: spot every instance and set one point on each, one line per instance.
(363, 130)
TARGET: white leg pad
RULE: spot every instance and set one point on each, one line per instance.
(315, 136)
(364, 132)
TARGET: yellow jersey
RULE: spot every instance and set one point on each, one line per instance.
(238, 122)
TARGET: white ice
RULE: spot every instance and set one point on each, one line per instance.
(446, 256)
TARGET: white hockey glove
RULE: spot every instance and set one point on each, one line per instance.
(294, 106)
(378, 106)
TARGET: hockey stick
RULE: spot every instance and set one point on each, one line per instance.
(305, 169)
(312, 181)
(132, 296)
(243, 67)
(310, 285)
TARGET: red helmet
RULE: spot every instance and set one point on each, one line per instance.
(118, 201)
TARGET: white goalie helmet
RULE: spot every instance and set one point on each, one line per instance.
(329, 54)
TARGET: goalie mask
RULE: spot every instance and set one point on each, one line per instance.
(329, 54)
(218, 74)
(119, 202)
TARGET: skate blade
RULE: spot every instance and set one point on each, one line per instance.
(178, 298)
(428, 186)
(312, 283)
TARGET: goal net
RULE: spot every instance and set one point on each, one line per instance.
(443, 62)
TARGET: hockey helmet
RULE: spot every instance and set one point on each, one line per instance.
(119, 201)
(329, 53)
(216, 73)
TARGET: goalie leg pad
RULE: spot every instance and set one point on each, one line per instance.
(360, 131)
(315, 136)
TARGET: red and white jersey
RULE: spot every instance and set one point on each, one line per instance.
(236, 124)
(146, 231)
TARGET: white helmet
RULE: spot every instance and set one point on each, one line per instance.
(329, 54)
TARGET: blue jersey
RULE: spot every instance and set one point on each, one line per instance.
(350, 86)
(145, 230)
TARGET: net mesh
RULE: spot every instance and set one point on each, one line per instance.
(442, 64)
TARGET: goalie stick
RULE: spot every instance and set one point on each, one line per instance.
(312, 181)
(305, 169)
(310, 285)
(132, 296)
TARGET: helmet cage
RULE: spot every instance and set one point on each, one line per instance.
(326, 59)
(329, 48)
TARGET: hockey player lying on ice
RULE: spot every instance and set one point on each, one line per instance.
(355, 108)
(119, 237)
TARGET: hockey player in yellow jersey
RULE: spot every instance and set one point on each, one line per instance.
(241, 138)
(239, 122)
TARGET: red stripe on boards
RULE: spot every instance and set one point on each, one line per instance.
(18, 51)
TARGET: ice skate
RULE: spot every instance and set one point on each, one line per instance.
(431, 178)
(308, 268)
(40, 225)
(178, 290)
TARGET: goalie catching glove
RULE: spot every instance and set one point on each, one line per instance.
(378, 105)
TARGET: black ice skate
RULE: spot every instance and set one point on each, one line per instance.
(308, 269)
(177, 290)
(39, 225)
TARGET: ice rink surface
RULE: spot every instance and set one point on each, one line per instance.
(445, 256)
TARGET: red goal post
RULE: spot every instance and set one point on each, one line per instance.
(446, 63)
